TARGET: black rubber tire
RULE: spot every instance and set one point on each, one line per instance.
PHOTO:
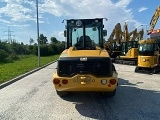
(135, 63)
(155, 70)
(62, 93)
(136, 69)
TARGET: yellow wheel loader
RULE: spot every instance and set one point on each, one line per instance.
(85, 65)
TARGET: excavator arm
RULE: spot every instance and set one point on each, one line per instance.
(154, 20)
(125, 33)
(114, 40)
(118, 33)
(133, 34)
(115, 33)
(138, 35)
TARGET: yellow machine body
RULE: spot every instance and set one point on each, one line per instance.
(149, 56)
(129, 46)
(131, 54)
(71, 52)
(85, 82)
(147, 61)
(83, 68)
(149, 50)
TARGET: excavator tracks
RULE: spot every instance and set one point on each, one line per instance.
(125, 61)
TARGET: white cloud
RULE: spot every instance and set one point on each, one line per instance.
(25, 10)
(115, 12)
(142, 9)
(85, 8)
(20, 26)
(61, 33)
(13, 1)
(58, 34)
(15, 11)
(5, 21)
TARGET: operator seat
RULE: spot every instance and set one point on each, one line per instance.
(88, 43)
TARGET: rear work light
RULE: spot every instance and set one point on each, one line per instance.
(113, 81)
(56, 81)
(64, 81)
(103, 81)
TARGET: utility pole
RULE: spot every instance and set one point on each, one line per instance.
(146, 27)
(9, 34)
(38, 34)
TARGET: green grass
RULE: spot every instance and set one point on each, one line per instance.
(25, 64)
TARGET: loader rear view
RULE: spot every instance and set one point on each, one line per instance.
(85, 65)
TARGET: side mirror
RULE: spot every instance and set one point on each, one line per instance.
(104, 33)
(65, 33)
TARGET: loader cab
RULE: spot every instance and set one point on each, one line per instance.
(85, 34)
(126, 46)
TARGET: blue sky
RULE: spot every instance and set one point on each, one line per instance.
(20, 16)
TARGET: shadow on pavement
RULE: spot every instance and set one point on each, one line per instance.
(130, 102)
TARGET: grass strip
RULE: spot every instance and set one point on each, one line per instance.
(24, 64)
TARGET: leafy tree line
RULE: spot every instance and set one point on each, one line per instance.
(11, 51)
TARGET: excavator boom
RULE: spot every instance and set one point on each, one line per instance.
(154, 20)
(138, 35)
(114, 41)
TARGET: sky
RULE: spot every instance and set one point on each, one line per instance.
(18, 18)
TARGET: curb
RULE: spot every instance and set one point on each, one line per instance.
(23, 75)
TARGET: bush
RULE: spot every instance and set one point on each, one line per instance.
(14, 57)
(3, 56)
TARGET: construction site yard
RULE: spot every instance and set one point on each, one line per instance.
(34, 97)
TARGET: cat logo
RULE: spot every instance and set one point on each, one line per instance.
(78, 23)
(83, 59)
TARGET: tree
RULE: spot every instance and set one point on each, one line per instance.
(54, 40)
(31, 41)
(43, 39)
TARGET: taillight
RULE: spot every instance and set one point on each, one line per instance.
(64, 81)
(113, 81)
(56, 81)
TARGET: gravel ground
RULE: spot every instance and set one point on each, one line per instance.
(34, 98)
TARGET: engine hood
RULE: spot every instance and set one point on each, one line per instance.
(79, 53)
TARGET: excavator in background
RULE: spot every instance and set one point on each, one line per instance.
(113, 44)
(122, 45)
(149, 56)
(154, 20)
(137, 36)
(129, 47)
(149, 49)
